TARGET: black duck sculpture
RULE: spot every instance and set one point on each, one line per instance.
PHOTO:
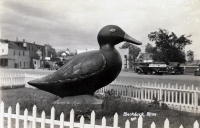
(87, 72)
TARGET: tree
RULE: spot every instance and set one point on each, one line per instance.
(133, 52)
(190, 55)
(51, 52)
(169, 47)
(148, 48)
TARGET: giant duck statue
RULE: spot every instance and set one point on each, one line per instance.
(87, 72)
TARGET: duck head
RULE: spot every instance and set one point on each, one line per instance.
(111, 35)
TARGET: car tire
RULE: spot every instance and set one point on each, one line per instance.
(139, 72)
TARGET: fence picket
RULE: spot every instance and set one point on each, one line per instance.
(43, 120)
(2, 115)
(92, 119)
(127, 124)
(17, 116)
(62, 120)
(193, 99)
(140, 122)
(52, 117)
(166, 123)
(104, 122)
(153, 125)
(9, 117)
(26, 118)
(196, 98)
(176, 93)
(168, 95)
(115, 122)
(172, 94)
(72, 118)
(188, 96)
(196, 124)
(184, 94)
(34, 116)
(82, 122)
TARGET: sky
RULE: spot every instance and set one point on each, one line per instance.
(74, 24)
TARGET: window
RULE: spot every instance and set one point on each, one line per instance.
(20, 64)
(19, 53)
(24, 64)
(23, 53)
(2, 50)
(14, 52)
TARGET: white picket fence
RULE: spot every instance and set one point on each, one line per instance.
(17, 80)
(176, 97)
(32, 121)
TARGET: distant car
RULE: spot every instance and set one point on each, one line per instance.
(175, 69)
(154, 68)
(197, 72)
(47, 65)
(59, 64)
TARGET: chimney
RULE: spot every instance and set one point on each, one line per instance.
(33, 42)
(23, 40)
(17, 39)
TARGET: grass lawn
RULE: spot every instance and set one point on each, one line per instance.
(43, 100)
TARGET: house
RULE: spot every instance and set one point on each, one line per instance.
(37, 52)
(21, 54)
(13, 55)
(145, 57)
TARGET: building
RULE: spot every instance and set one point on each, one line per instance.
(37, 52)
(124, 55)
(145, 57)
(21, 54)
(3, 48)
(15, 57)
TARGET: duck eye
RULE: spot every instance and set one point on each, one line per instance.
(112, 30)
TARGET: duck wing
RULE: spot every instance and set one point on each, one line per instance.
(78, 68)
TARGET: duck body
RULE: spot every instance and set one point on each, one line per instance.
(87, 72)
(83, 74)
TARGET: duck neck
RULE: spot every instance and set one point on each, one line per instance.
(107, 46)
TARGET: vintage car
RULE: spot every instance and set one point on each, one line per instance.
(197, 72)
(174, 68)
(153, 68)
(58, 65)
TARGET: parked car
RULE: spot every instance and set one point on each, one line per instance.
(197, 71)
(58, 65)
(174, 68)
(154, 68)
(158, 68)
(47, 65)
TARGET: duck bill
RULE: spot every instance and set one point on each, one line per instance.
(131, 40)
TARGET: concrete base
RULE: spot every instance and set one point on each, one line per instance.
(76, 101)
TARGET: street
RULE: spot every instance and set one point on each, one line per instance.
(187, 79)
(129, 77)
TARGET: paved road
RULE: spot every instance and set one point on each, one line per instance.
(187, 79)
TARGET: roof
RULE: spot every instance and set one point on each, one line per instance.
(13, 45)
(6, 41)
(27, 43)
